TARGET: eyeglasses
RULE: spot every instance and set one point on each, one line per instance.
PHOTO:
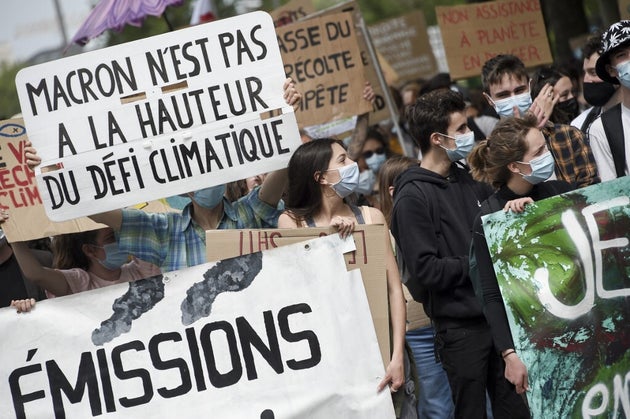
(370, 153)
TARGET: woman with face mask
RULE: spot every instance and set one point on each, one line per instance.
(321, 177)
(83, 261)
(516, 162)
(567, 107)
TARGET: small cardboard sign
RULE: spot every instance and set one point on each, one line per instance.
(323, 57)
(369, 257)
(404, 43)
(292, 12)
(160, 116)
(472, 34)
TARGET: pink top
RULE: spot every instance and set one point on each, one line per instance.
(80, 280)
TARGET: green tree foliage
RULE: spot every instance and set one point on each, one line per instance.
(9, 104)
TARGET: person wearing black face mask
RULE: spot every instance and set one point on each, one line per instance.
(601, 94)
(567, 106)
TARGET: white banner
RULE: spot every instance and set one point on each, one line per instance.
(160, 116)
(285, 333)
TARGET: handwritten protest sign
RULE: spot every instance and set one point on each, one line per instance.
(259, 336)
(379, 110)
(404, 43)
(323, 56)
(564, 272)
(291, 12)
(20, 195)
(160, 116)
(369, 257)
(474, 33)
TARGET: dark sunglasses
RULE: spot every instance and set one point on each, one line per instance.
(370, 153)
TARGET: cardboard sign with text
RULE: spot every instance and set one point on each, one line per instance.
(369, 257)
(404, 43)
(21, 197)
(379, 110)
(292, 12)
(323, 57)
(474, 33)
(159, 116)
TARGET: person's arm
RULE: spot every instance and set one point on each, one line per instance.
(397, 311)
(285, 221)
(112, 218)
(359, 135)
(542, 106)
(50, 279)
(584, 163)
(273, 187)
(413, 229)
(494, 311)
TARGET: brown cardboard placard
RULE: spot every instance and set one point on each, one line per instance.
(474, 33)
(379, 110)
(20, 196)
(291, 12)
(369, 257)
(404, 43)
(624, 9)
(323, 57)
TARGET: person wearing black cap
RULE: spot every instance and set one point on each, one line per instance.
(610, 133)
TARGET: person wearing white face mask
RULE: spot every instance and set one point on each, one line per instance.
(610, 134)
(516, 162)
(435, 205)
(321, 176)
(506, 86)
(370, 159)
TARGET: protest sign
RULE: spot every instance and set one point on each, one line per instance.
(379, 110)
(160, 116)
(21, 197)
(369, 257)
(258, 336)
(563, 269)
(292, 12)
(472, 34)
(323, 57)
(404, 43)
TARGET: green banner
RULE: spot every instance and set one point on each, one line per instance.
(563, 267)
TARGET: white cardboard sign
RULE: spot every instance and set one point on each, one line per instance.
(159, 116)
(281, 334)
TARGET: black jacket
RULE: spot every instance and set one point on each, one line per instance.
(488, 287)
(436, 252)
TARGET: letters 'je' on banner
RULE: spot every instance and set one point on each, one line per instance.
(566, 297)
(258, 336)
(159, 116)
(474, 33)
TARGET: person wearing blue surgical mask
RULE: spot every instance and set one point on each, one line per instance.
(373, 154)
(82, 261)
(516, 162)
(321, 177)
(506, 87)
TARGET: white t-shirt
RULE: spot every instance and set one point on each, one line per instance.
(601, 148)
(80, 280)
(579, 120)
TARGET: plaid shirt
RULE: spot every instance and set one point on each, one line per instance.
(175, 241)
(572, 153)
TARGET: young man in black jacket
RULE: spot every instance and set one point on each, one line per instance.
(435, 205)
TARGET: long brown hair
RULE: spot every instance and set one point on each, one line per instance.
(392, 167)
(506, 144)
(68, 250)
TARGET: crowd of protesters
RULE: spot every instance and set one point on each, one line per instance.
(524, 135)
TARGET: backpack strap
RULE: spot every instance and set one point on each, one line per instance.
(613, 128)
(590, 117)
(357, 213)
(479, 135)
